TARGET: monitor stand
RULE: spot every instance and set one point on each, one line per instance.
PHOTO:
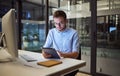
(5, 60)
(5, 56)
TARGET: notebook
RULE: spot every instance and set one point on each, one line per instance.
(49, 63)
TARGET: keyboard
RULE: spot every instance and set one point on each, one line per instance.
(28, 58)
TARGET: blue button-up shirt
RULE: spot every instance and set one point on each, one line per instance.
(64, 41)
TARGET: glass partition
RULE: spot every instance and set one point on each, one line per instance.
(33, 35)
(108, 37)
(108, 45)
(33, 25)
(33, 10)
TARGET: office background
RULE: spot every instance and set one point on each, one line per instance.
(97, 22)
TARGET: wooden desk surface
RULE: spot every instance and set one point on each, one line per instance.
(24, 68)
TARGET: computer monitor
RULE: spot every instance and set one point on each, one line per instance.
(9, 32)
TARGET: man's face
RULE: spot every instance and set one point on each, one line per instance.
(60, 23)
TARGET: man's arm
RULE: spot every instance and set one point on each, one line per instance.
(69, 55)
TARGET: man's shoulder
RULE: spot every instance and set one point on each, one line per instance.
(52, 29)
(72, 30)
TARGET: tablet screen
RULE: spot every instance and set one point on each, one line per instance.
(51, 51)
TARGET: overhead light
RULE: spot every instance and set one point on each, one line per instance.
(61, 0)
(68, 5)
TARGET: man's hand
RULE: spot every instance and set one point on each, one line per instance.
(61, 54)
(46, 55)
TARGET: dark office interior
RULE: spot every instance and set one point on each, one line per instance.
(97, 22)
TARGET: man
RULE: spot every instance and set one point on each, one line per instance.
(62, 38)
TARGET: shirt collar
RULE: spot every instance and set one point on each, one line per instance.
(66, 29)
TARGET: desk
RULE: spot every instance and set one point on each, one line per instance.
(24, 68)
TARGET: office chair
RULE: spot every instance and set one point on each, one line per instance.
(75, 72)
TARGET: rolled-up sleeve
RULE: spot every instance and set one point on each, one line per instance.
(48, 42)
(76, 43)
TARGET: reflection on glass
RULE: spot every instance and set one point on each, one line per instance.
(112, 29)
(33, 36)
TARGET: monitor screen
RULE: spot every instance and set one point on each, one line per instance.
(9, 28)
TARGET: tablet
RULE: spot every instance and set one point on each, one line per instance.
(52, 52)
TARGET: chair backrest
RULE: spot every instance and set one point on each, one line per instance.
(79, 56)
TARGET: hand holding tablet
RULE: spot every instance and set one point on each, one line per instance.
(52, 52)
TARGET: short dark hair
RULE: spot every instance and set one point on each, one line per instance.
(59, 13)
